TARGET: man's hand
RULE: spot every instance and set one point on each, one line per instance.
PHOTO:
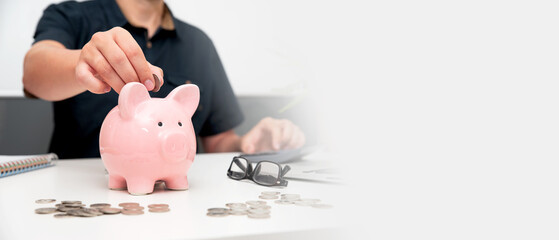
(111, 59)
(272, 135)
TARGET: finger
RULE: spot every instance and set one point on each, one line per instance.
(117, 59)
(288, 131)
(249, 140)
(135, 55)
(275, 135)
(84, 75)
(102, 67)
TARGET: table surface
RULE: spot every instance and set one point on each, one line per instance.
(86, 180)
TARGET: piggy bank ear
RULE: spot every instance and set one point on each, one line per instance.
(131, 95)
(188, 95)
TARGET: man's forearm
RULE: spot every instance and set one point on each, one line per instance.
(49, 71)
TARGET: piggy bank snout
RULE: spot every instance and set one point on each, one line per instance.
(175, 146)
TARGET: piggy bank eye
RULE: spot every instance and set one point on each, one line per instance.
(160, 124)
(180, 124)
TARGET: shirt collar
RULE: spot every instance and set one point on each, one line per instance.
(116, 18)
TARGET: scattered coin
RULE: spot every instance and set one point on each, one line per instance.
(268, 196)
(159, 205)
(281, 201)
(291, 197)
(45, 210)
(268, 207)
(109, 210)
(45, 201)
(218, 210)
(100, 205)
(238, 212)
(236, 205)
(256, 202)
(63, 215)
(270, 193)
(71, 202)
(133, 208)
(128, 204)
(217, 214)
(132, 212)
(259, 211)
(159, 210)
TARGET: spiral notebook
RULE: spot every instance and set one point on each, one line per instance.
(11, 165)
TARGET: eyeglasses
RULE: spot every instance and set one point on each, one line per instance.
(265, 173)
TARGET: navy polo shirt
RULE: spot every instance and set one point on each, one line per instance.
(185, 53)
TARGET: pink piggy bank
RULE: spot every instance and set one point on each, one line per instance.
(144, 140)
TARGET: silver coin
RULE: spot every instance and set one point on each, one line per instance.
(110, 210)
(73, 205)
(45, 210)
(238, 212)
(217, 214)
(322, 205)
(218, 210)
(42, 201)
(261, 216)
(270, 193)
(257, 202)
(159, 210)
(66, 209)
(71, 202)
(236, 205)
(88, 212)
(268, 197)
(284, 202)
(260, 207)
(63, 215)
(290, 197)
(100, 205)
(259, 211)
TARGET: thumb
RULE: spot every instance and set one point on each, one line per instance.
(158, 77)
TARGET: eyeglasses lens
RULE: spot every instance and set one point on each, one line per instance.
(238, 168)
(266, 173)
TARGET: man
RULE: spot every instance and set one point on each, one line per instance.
(84, 53)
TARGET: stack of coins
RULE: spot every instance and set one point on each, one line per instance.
(131, 208)
(158, 208)
(218, 212)
(237, 209)
(269, 195)
(258, 209)
(66, 209)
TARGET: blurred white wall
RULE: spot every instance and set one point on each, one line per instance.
(267, 47)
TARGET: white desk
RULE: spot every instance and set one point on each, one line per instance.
(86, 180)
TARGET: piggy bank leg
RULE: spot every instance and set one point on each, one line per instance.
(140, 186)
(117, 182)
(176, 183)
